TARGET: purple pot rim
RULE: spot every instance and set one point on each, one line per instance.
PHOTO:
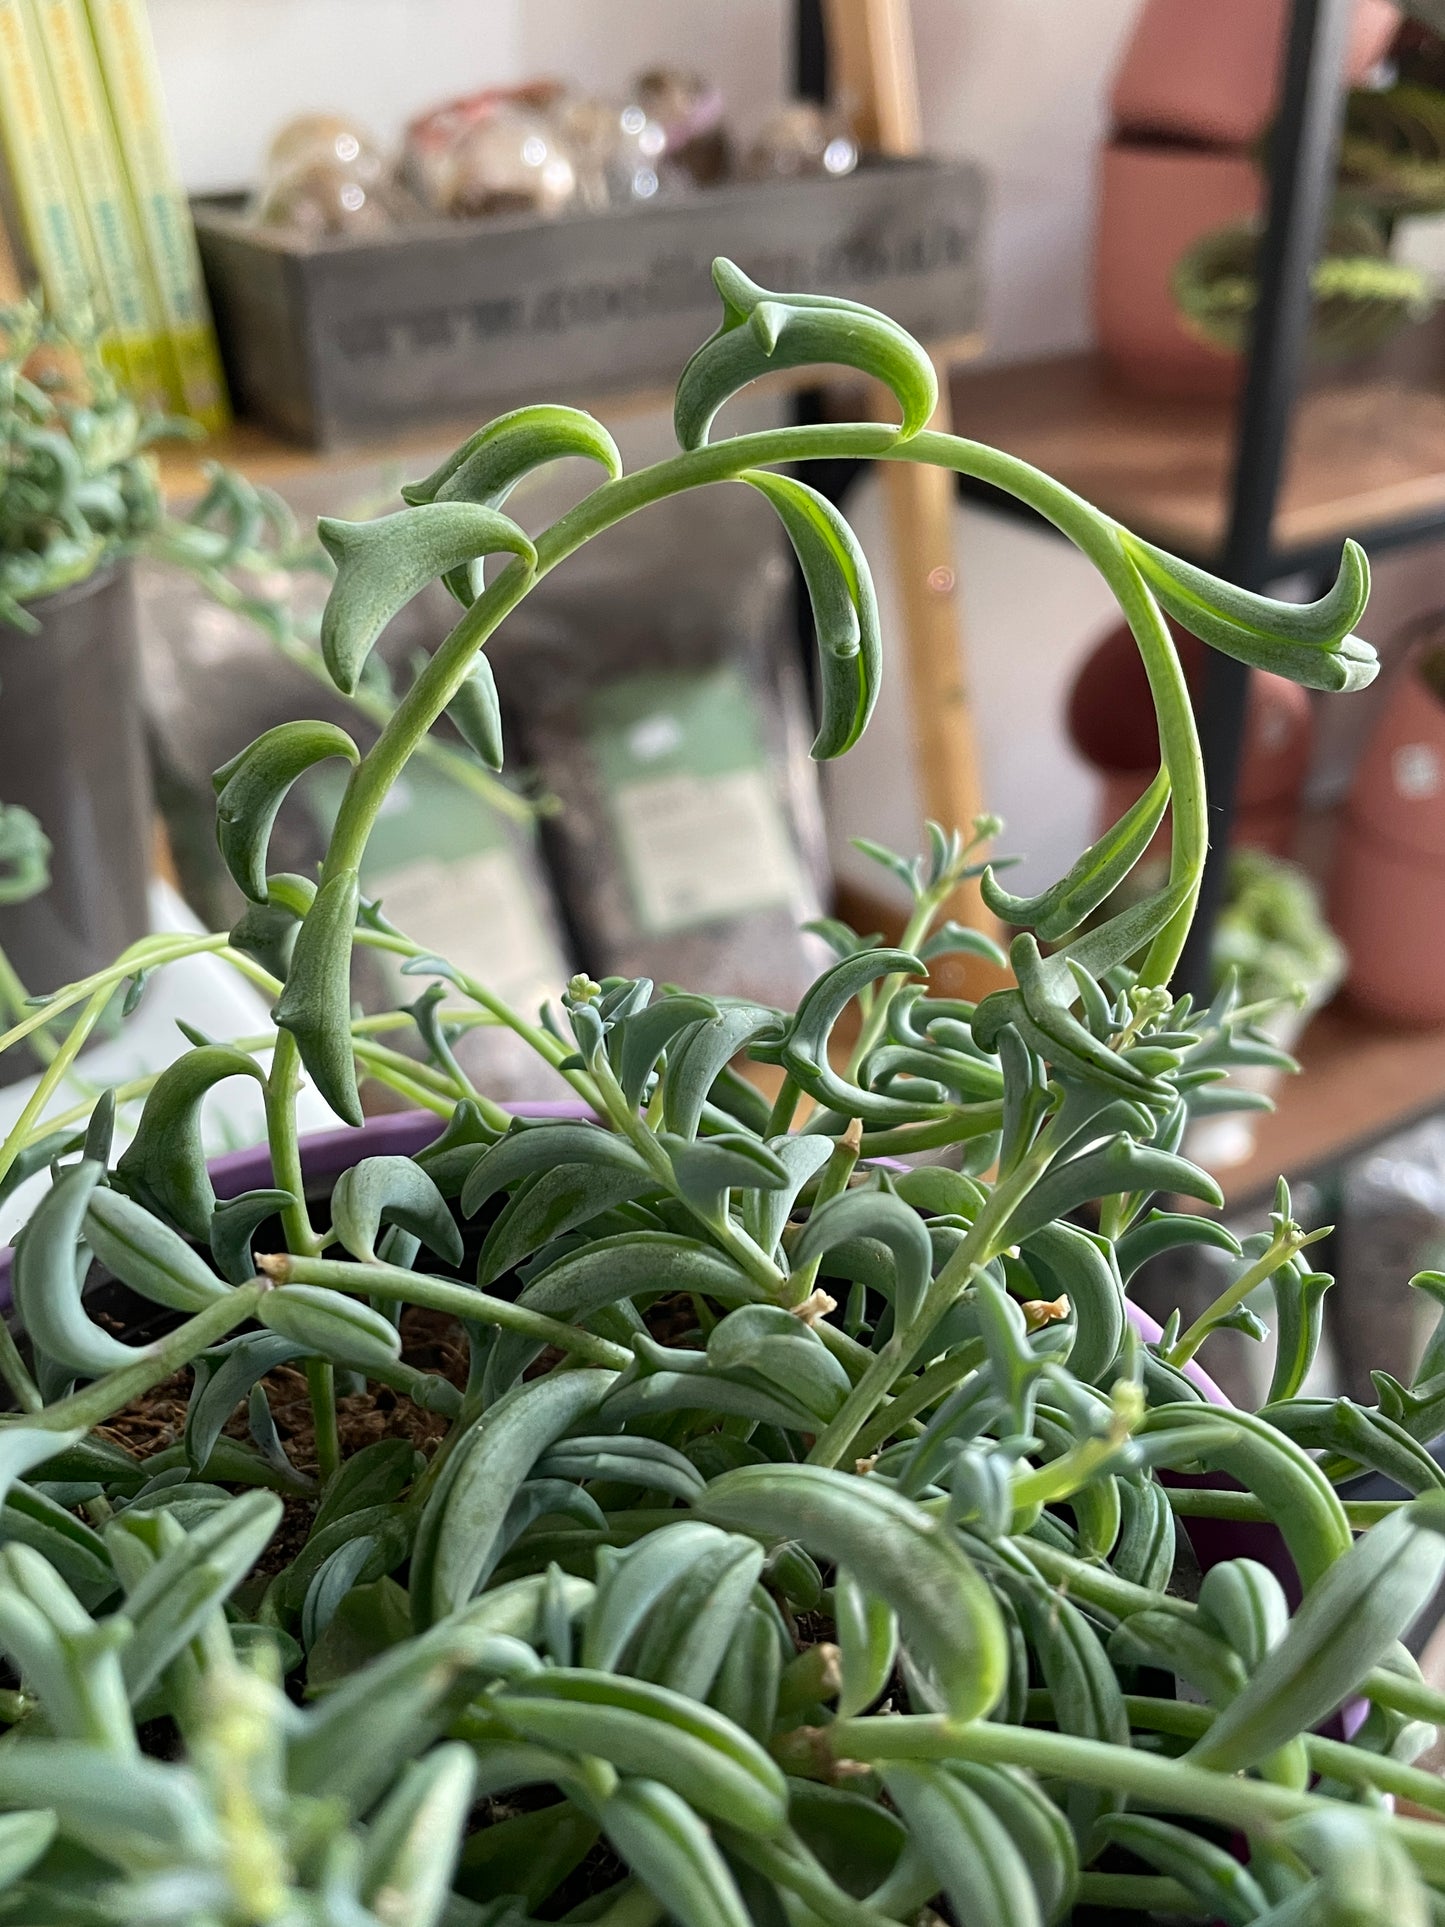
(326, 1154)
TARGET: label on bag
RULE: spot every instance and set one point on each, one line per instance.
(447, 874)
(699, 826)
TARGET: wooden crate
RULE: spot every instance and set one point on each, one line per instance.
(340, 341)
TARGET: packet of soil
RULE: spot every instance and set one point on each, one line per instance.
(653, 682)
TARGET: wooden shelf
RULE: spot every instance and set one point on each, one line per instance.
(1360, 1081)
(1368, 447)
(266, 458)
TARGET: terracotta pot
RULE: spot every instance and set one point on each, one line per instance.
(72, 751)
(1399, 788)
(1387, 898)
(1111, 724)
(1155, 202)
(1208, 70)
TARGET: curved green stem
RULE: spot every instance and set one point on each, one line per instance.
(1093, 533)
(1254, 1806)
(1282, 1247)
(1354, 1765)
(1137, 1892)
(53, 1075)
(552, 1050)
(15, 997)
(282, 1083)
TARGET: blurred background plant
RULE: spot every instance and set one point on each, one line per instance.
(1391, 166)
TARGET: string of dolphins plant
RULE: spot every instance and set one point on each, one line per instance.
(798, 1545)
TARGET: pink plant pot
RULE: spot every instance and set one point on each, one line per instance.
(1387, 894)
(1111, 723)
(1155, 202)
(1387, 905)
(1208, 70)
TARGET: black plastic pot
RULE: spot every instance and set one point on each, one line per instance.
(72, 751)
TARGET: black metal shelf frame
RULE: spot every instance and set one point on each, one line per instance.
(1303, 149)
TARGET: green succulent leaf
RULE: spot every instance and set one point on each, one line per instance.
(705, 1169)
(804, 1052)
(252, 787)
(1214, 1879)
(315, 1005)
(151, 1813)
(610, 1271)
(1035, 1825)
(867, 1628)
(193, 1575)
(886, 1219)
(632, 1584)
(949, 1621)
(331, 1325)
(1299, 1302)
(349, 1746)
(554, 1203)
(164, 1165)
(1366, 1875)
(459, 1532)
(638, 1726)
(415, 1837)
(1292, 1488)
(1348, 1621)
(1310, 643)
(1087, 1699)
(47, 1279)
(1245, 1603)
(980, 1869)
(700, 1055)
(488, 465)
(528, 1149)
(766, 1345)
(766, 1212)
(845, 607)
(656, 1832)
(1120, 1166)
(1369, 1439)
(234, 1224)
(24, 1837)
(1163, 1231)
(222, 1382)
(648, 1033)
(267, 931)
(762, 331)
(67, 1661)
(24, 1447)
